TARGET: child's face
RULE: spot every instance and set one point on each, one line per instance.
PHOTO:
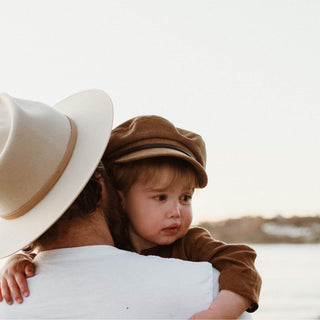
(159, 212)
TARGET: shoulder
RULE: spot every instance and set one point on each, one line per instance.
(197, 230)
(194, 241)
(197, 233)
(203, 237)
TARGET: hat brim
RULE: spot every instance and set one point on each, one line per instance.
(166, 152)
(92, 112)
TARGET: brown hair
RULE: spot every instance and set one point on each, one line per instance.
(84, 206)
(124, 175)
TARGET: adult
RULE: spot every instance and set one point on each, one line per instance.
(54, 199)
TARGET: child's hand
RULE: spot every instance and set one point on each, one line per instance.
(226, 305)
(206, 314)
(13, 278)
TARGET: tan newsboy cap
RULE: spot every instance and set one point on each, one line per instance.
(153, 136)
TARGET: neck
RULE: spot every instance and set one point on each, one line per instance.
(139, 244)
(82, 232)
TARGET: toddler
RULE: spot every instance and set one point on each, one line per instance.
(155, 168)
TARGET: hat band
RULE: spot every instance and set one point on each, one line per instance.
(47, 187)
(151, 146)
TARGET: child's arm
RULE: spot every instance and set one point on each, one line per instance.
(226, 305)
(13, 278)
(234, 261)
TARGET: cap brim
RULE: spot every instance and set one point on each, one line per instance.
(166, 152)
(92, 112)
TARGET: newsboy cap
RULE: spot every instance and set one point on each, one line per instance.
(153, 136)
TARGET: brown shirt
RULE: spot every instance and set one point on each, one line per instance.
(235, 262)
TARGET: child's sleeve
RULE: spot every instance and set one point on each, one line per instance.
(234, 261)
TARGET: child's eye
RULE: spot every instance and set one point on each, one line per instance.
(161, 197)
(186, 198)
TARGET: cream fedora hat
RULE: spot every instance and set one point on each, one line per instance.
(47, 155)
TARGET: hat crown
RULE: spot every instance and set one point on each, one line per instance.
(33, 140)
(140, 130)
(159, 134)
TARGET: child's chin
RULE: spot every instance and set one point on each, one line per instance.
(167, 240)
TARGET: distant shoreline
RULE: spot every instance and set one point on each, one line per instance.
(262, 230)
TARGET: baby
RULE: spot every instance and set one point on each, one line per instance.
(155, 167)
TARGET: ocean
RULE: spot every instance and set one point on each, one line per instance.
(290, 281)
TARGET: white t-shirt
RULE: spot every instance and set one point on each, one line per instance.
(103, 282)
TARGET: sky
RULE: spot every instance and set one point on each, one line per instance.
(243, 74)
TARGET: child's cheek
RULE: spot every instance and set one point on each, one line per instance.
(188, 221)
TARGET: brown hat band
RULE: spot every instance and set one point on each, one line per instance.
(150, 146)
(47, 187)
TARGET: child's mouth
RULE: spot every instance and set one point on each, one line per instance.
(172, 229)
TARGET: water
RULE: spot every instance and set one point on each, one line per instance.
(291, 281)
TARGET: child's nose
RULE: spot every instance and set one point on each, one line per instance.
(174, 211)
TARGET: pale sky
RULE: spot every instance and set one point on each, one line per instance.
(243, 74)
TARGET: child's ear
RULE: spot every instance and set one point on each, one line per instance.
(122, 199)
